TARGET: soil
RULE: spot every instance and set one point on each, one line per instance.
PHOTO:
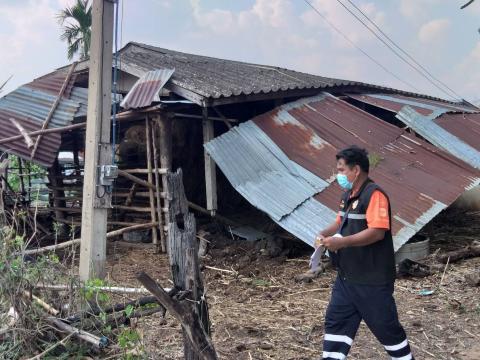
(258, 311)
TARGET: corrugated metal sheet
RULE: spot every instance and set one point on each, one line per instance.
(420, 179)
(48, 148)
(453, 128)
(464, 126)
(146, 89)
(30, 105)
(438, 136)
(53, 82)
(214, 78)
(246, 153)
(394, 102)
(36, 105)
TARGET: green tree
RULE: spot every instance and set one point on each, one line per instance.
(77, 32)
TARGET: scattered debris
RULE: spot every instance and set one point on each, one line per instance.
(412, 268)
(469, 251)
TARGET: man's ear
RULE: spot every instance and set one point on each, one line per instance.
(358, 170)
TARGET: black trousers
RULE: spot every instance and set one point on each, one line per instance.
(349, 304)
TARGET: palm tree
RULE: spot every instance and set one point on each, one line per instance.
(77, 21)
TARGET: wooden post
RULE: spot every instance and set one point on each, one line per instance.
(20, 174)
(210, 170)
(96, 199)
(165, 132)
(156, 159)
(55, 179)
(153, 212)
(183, 255)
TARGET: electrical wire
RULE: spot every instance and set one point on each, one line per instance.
(359, 48)
(425, 73)
(403, 51)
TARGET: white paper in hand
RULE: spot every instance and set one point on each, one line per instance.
(316, 258)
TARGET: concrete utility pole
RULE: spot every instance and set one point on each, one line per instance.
(96, 197)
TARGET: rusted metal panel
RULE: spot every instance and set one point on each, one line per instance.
(146, 89)
(36, 104)
(246, 153)
(30, 104)
(53, 82)
(395, 102)
(47, 151)
(394, 106)
(420, 179)
(452, 127)
(438, 136)
(464, 126)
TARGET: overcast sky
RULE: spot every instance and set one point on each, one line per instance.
(285, 33)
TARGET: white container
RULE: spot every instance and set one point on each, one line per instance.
(413, 251)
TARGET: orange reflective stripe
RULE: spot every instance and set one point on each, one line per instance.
(338, 220)
(377, 211)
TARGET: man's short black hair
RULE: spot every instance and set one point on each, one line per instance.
(354, 155)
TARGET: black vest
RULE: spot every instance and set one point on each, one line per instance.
(372, 264)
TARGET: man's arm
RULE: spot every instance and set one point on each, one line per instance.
(365, 237)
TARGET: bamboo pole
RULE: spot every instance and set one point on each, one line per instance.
(76, 242)
(144, 171)
(135, 179)
(153, 214)
(54, 107)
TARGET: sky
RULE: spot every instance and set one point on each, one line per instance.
(285, 33)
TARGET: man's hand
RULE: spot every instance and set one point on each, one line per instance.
(318, 240)
(333, 243)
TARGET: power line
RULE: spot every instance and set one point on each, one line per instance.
(400, 48)
(359, 48)
(428, 78)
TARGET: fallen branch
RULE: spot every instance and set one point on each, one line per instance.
(61, 342)
(98, 342)
(76, 242)
(112, 289)
(469, 251)
(48, 308)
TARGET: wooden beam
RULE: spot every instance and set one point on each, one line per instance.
(135, 179)
(144, 171)
(153, 213)
(97, 150)
(46, 131)
(210, 169)
(76, 242)
(156, 163)
(164, 123)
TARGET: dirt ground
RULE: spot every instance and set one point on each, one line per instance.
(258, 311)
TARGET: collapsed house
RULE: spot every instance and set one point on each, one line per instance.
(273, 133)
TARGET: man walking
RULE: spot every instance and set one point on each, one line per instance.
(361, 248)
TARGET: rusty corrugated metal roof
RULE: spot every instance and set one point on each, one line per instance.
(146, 89)
(420, 179)
(453, 128)
(29, 105)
